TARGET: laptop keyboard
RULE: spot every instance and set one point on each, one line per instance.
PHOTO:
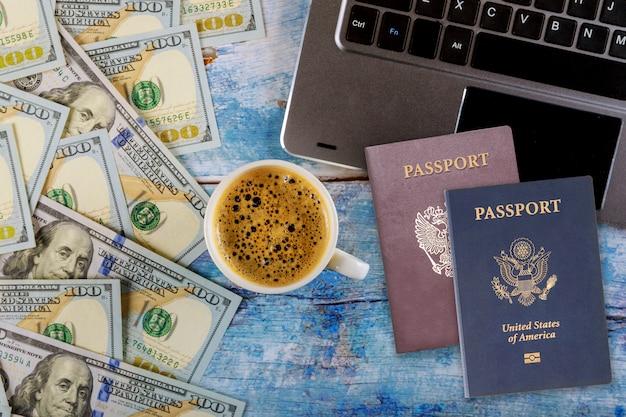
(575, 44)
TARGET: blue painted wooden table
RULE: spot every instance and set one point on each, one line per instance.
(327, 349)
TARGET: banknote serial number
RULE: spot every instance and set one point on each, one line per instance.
(209, 6)
(10, 357)
(16, 37)
(169, 119)
(154, 353)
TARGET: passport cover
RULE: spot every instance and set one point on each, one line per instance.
(408, 180)
(528, 286)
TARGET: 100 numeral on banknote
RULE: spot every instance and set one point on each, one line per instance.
(224, 21)
(29, 41)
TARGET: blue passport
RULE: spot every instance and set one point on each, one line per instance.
(528, 286)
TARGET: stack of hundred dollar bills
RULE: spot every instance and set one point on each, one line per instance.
(97, 99)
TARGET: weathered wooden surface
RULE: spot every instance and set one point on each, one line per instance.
(327, 349)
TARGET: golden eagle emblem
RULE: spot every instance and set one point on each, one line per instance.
(524, 269)
(431, 232)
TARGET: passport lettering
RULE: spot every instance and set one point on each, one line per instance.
(530, 208)
(519, 331)
(440, 166)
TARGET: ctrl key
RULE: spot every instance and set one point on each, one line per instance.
(362, 25)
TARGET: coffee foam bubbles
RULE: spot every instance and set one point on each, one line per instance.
(272, 226)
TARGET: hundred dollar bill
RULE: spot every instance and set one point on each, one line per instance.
(85, 313)
(29, 41)
(172, 319)
(162, 75)
(37, 126)
(83, 176)
(165, 202)
(224, 21)
(97, 20)
(99, 386)
(16, 227)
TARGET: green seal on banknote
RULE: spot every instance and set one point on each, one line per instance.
(157, 322)
(146, 95)
(145, 216)
(59, 331)
(61, 196)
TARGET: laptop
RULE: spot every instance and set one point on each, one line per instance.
(379, 71)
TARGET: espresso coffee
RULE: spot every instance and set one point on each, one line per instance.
(272, 226)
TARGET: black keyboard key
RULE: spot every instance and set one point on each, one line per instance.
(520, 2)
(394, 28)
(550, 5)
(402, 5)
(560, 31)
(456, 45)
(528, 24)
(559, 67)
(618, 44)
(583, 8)
(431, 8)
(614, 12)
(425, 38)
(362, 25)
(592, 38)
(496, 17)
(464, 11)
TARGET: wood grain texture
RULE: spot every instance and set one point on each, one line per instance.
(327, 349)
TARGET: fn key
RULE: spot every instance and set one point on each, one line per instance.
(393, 31)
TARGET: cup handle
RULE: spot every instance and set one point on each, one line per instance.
(348, 265)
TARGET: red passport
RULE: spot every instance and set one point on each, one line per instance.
(408, 180)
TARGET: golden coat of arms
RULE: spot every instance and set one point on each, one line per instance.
(524, 269)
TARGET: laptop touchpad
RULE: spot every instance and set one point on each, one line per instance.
(551, 141)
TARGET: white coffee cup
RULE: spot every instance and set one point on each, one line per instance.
(263, 264)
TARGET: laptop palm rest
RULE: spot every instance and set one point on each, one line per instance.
(551, 141)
